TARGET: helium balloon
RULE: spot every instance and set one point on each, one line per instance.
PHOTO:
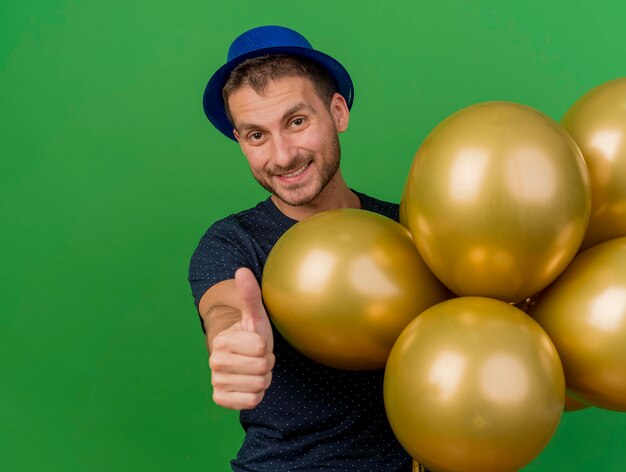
(597, 122)
(584, 313)
(341, 285)
(402, 214)
(474, 385)
(498, 201)
(403, 217)
(571, 404)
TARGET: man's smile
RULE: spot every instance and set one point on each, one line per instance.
(295, 173)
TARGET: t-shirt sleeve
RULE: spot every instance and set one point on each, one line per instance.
(218, 255)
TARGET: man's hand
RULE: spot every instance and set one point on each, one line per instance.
(242, 358)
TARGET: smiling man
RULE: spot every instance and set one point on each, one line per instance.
(284, 103)
(288, 133)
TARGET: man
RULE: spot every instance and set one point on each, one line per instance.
(284, 103)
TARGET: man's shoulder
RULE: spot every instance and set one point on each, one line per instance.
(262, 220)
(383, 207)
(257, 213)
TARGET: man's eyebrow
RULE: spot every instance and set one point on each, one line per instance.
(242, 127)
(295, 109)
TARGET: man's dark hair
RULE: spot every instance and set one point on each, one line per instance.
(259, 71)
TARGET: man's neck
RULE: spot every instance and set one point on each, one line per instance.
(334, 196)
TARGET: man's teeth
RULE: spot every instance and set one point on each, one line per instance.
(298, 172)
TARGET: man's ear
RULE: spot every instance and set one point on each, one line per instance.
(340, 112)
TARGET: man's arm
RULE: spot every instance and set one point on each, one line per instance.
(239, 341)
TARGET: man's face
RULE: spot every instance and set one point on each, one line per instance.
(289, 136)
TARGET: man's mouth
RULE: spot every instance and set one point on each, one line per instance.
(296, 172)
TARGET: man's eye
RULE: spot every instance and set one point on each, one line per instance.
(256, 136)
(297, 121)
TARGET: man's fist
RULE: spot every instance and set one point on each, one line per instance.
(242, 356)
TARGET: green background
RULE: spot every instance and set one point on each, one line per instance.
(110, 174)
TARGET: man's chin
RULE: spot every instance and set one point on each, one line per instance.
(297, 198)
(293, 202)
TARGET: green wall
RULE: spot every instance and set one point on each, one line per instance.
(110, 174)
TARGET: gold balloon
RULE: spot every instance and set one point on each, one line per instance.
(474, 384)
(498, 201)
(584, 312)
(571, 404)
(417, 467)
(341, 285)
(404, 218)
(597, 122)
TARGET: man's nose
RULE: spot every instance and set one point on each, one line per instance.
(283, 151)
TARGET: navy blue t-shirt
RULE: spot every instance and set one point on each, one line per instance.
(312, 417)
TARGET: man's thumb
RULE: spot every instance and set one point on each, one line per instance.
(253, 315)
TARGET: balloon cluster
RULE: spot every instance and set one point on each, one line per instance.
(341, 285)
(513, 254)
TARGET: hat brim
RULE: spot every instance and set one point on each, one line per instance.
(213, 101)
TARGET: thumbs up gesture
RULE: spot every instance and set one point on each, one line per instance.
(242, 358)
(254, 318)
